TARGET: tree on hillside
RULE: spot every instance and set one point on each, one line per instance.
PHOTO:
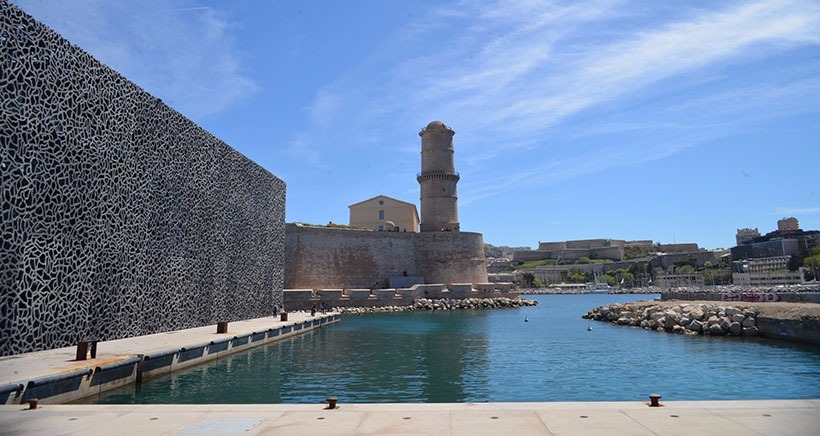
(606, 278)
(528, 279)
(683, 269)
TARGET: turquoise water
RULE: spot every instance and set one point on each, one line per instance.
(477, 356)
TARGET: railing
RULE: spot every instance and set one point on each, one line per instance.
(455, 173)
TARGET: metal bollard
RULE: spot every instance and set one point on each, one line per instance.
(82, 350)
(653, 400)
(331, 402)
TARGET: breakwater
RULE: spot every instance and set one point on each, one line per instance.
(304, 299)
(745, 296)
(423, 304)
(798, 322)
(691, 319)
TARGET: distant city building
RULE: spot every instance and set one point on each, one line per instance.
(384, 213)
(746, 235)
(508, 251)
(680, 280)
(764, 264)
(763, 279)
(612, 249)
(788, 225)
(787, 240)
(572, 250)
(771, 248)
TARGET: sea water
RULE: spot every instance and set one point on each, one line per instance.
(531, 354)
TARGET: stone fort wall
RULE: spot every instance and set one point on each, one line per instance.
(321, 258)
(120, 217)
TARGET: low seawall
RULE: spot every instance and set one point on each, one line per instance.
(745, 296)
(425, 304)
(304, 299)
(55, 376)
(799, 322)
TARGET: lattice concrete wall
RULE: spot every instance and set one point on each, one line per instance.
(120, 217)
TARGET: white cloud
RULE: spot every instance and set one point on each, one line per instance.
(519, 68)
(179, 52)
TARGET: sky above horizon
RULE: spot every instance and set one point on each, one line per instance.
(675, 122)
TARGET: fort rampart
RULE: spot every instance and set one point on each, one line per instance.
(327, 258)
(120, 217)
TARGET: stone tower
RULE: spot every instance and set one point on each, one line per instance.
(438, 179)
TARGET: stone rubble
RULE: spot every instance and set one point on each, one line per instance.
(446, 304)
(688, 319)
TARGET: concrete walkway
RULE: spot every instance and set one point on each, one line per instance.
(28, 366)
(768, 417)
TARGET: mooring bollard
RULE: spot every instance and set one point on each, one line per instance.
(331, 402)
(82, 350)
(653, 400)
(32, 403)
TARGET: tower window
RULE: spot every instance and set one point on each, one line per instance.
(381, 214)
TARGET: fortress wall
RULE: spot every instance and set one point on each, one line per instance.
(529, 255)
(451, 257)
(549, 246)
(614, 253)
(120, 217)
(319, 257)
(322, 258)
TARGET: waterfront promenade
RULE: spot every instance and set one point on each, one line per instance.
(56, 363)
(765, 417)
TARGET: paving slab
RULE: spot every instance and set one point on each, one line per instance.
(769, 417)
(580, 420)
(409, 422)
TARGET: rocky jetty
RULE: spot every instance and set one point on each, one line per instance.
(689, 319)
(446, 304)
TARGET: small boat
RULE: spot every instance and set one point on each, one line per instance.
(589, 328)
(526, 319)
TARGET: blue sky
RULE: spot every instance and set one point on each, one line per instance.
(670, 121)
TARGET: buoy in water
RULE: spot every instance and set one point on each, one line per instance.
(589, 328)
(526, 319)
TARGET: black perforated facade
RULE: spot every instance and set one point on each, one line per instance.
(120, 217)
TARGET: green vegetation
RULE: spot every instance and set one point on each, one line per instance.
(577, 276)
(717, 277)
(520, 264)
(636, 252)
(683, 269)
